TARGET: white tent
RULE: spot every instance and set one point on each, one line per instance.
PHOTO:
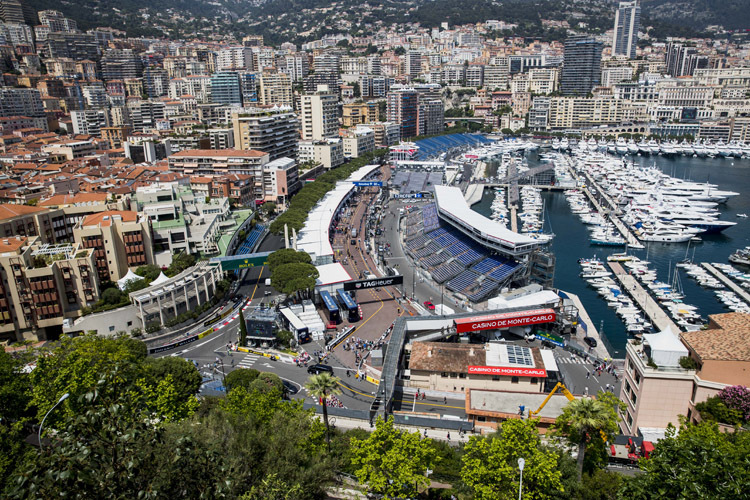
(160, 279)
(131, 276)
(666, 347)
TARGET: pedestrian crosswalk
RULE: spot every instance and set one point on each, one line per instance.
(569, 360)
(248, 361)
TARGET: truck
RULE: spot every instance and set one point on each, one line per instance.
(354, 232)
(268, 281)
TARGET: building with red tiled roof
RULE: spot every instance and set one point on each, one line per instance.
(667, 375)
(23, 220)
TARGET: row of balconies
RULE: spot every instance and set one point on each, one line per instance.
(42, 285)
(45, 298)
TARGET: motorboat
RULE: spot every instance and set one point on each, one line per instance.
(621, 146)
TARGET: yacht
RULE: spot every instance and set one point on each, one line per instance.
(564, 144)
(723, 149)
(591, 144)
(632, 147)
(621, 146)
(611, 148)
(653, 147)
(686, 148)
(643, 147)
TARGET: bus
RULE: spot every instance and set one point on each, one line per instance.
(348, 303)
(295, 325)
(334, 317)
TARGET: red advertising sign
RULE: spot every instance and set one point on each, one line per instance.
(509, 371)
(505, 320)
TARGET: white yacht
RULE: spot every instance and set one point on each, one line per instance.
(632, 147)
(621, 146)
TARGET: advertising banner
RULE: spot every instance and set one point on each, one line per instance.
(508, 371)
(505, 320)
(378, 282)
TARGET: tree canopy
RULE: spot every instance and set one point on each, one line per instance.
(490, 464)
(393, 462)
(293, 278)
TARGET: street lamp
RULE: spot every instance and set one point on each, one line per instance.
(62, 398)
(521, 464)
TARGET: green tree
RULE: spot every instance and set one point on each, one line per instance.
(285, 337)
(490, 464)
(149, 272)
(117, 450)
(581, 422)
(112, 296)
(321, 386)
(241, 377)
(180, 262)
(287, 256)
(698, 462)
(15, 395)
(267, 382)
(393, 462)
(294, 278)
(185, 376)
(268, 208)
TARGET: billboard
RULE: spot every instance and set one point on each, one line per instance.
(505, 320)
(377, 282)
(509, 371)
(368, 183)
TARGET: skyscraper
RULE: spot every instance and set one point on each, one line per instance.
(319, 116)
(627, 23)
(402, 107)
(226, 88)
(582, 66)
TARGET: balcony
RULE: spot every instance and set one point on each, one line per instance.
(640, 357)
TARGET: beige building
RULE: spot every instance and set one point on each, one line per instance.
(275, 88)
(581, 112)
(212, 162)
(23, 220)
(42, 285)
(70, 150)
(359, 113)
(657, 390)
(319, 116)
(439, 366)
(272, 130)
(329, 153)
(358, 141)
(120, 240)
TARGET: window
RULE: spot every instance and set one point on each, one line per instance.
(461, 375)
(454, 375)
(633, 398)
(444, 375)
(627, 388)
(630, 420)
(130, 323)
(111, 328)
(637, 378)
(534, 380)
(695, 392)
(495, 378)
(514, 380)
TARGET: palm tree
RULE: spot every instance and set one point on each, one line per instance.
(321, 386)
(580, 419)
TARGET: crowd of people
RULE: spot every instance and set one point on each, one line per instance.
(333, 402)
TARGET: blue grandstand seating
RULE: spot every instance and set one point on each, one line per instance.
(430, 249)
(483, 290)
(457, 248)
(469, 257)
(447, 271)
(418, 242)
(503, 272)
(462, 281)
(488, 264)
(435, 260)
(434, 146)
(251, 240)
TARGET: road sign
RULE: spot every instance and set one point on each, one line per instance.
(378, 282)
(558, 341)
(236, 262)
(368, 183)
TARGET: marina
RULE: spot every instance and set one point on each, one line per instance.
(728, 282)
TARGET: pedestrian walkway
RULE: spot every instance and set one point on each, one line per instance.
(248, 361)
(576, 360)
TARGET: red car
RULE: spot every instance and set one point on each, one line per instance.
(429, 305)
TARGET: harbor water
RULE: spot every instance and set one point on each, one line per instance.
(571, 240)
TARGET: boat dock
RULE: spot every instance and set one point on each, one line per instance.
(741, 293)
(609, 212)
(655, 313)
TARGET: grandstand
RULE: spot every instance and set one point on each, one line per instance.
(410, 182)
(248, 245)
(434, 146)
(464, 266)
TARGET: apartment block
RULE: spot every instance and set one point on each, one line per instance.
(328, 152)
(27, 221)
(358, 113)
(209, 162)
(271, 130)
(358, 141)
(319, 116)
(42, 285)
(119, 240)
(275, 89)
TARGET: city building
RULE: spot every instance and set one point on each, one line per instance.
(359, 112)
(627, 23)
(119, 239)
(386, 133)
(582, 65)
(280, 180)
(119, 64)
(235, 58)
(275, 89)
(403, 108)
(431, 117)
(319, 116)
(273, 130)
(358, 141)
(328, 152)
(209, 162)
(226, 88)
(682, 60)
(413, 63)
(42, 286)
(657, 389)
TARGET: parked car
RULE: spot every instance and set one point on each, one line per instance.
(318, 368)
(429, 305)
(591, 341)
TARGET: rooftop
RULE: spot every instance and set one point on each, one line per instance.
(443, 357)
(12, 244)
(726, 339)
(225, 153)
(105, 218)
(10, 210)
(72, 199)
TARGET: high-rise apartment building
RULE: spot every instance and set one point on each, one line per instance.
(402, 107)
(319, 116)
(118, 64)
(327, 63)
(297, 66)
(275, 88)
(582, 66)
(268, 129)
(76, 46)
(56, 21)
(683, 61)
(413, 63)
(431, 117)
(235, 58)
(627, 23)
(226, 88)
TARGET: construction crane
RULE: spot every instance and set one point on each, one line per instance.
(559, 386)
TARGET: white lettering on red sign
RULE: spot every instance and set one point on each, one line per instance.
(507, 371)
(507, 320)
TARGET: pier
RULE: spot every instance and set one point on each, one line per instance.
(648, 305)
(610, 213)
(727, 281)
